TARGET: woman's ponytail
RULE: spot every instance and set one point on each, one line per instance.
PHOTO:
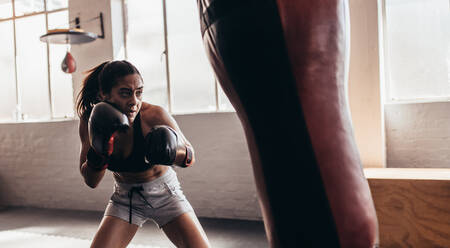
(89, 94)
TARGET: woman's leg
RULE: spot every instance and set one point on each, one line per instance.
(186, 231)
(113, 233)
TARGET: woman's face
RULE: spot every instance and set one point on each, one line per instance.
(127, 95)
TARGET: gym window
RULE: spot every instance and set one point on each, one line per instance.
(417, 50)
(33, 85)
(176, 71)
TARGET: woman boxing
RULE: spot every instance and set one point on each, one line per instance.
(138, 142)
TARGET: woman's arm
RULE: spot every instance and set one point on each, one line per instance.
(91, 177)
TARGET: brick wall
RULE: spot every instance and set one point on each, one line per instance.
(39, 168)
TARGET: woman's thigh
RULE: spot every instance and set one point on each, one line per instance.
(186, 231)
(114, 232)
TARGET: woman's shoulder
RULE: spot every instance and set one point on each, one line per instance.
(151, 113)
(152, 109)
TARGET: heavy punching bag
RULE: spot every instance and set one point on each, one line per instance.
(283, 64)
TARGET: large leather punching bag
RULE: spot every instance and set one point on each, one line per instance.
(283, 64)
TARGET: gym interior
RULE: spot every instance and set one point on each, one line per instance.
(402, 135)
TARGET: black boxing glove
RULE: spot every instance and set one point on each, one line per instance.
(163, 146)
(104, 122)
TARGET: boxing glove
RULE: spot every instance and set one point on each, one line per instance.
(104, 122)
(163, 146)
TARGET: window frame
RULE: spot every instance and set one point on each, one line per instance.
(19, 116)
(166, 51)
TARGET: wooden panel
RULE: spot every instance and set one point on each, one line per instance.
(412, 212)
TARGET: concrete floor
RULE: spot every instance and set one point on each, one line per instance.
(83, 224)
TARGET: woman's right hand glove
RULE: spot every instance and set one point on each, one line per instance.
(104, 123)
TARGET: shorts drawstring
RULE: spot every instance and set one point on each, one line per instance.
(130, 196)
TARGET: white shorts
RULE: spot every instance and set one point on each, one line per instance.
(160, 200)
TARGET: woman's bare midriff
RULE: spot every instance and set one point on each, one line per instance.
(140, 177)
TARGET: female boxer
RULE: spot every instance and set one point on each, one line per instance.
(135, 140)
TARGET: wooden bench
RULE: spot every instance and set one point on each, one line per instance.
(413, 206)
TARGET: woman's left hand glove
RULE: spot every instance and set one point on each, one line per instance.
(163, 146)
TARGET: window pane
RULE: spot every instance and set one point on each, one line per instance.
(56, 4)
(5, 8)
(8, 84)
(61, 83)
(28, 6)
(191, 77)
(418, 48)
(145, 45)
(57, 20)
(32, 67)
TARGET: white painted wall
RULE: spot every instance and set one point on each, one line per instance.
(418, 135)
